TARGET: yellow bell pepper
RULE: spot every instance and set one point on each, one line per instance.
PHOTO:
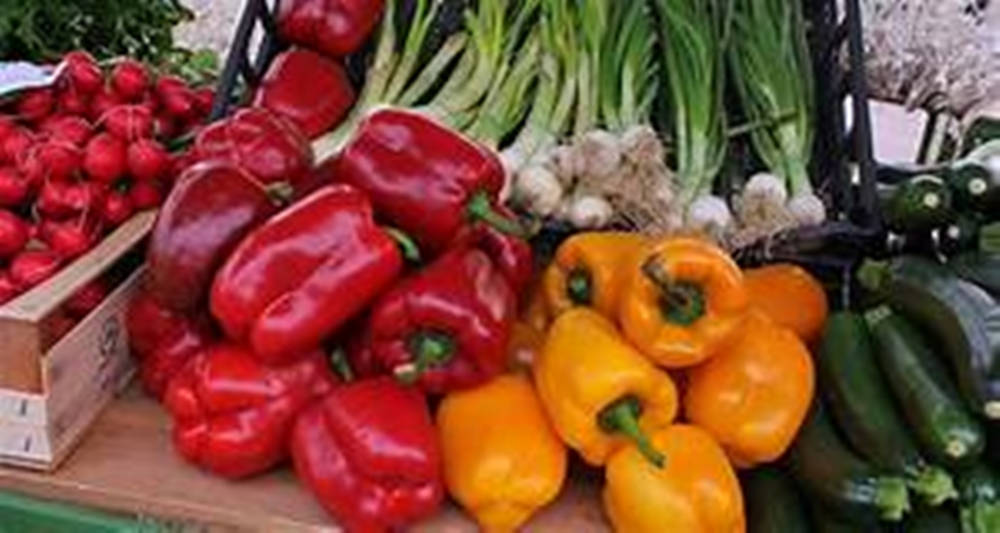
(588, 271)
(683, 299)
(754, 394)
(696, 490)
(601, 393)
(502, 459)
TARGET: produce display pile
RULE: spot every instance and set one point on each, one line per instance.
(362, 281)
(78, 159)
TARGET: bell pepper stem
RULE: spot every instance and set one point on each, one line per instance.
(338, 360)
(281, 192)
(429, 349)
(579, 287)
(408, 247)
(681, 302)
(623, 416)
(481, 208)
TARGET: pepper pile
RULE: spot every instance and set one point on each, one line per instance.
(78, 159)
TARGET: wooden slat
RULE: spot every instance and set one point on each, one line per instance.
(126, 464)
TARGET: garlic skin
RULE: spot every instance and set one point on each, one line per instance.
(538, 190)
(710, 214)
(597, 154)
(766, 186)
(562, 162)
(641, 146)
(807, 209)
(590, 212)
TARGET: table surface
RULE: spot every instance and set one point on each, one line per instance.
(126, 464)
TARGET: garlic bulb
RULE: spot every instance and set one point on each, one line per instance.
(766, 186)
(590, 212)
(710, 214)
(538, 190)
(807, 209)
(597, 154)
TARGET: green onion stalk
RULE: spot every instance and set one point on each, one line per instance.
(694, 36)
(772, 72)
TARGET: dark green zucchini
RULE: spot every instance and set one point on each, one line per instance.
(862, 404)
(979, 490)
(943, 427)
(959, 316)
(773, 504)
(932, 520)
(840, 480)
(960, 235)
(919, 204)
(975, 186)
(978, 267)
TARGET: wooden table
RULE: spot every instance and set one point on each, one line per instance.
(126, 464)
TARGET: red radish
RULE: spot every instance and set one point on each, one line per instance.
(147, 159)
(103, 101)
(61, 159)
(8, 289)
(58, 199)
(87, 298)
(69, 128)
(83, 72)
(104, 158)
(31, 167)
(203, 100)
(129, 122)
(150, 102)
(73, 102)
(13, 234)
(169, 83)
(116, 208)
(17, 142)
(7, 125)
(176, 97)
(130, 79)
(145, 195)
(13, 188)
(36, 104)
(69, 238)
(165, 126)
(32, 267)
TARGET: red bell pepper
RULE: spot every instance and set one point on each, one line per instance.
(512, 254)
(233, 416)
(426, 179)
(446, 327)
(267, 146)
(306, 88)
(212, 207)
(334, 27)
(369, 453)
(162, 341)
(296, 279)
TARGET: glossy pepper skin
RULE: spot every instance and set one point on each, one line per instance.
(502, 459)
(306, 88)
(446, 327)
(599, 392)
(233, 416)
(696, 491)
(213, 205)
(334, 27)
(682, 300)
(511, 254)
(297, 278)
(369, 453)
(590, 270)
(267, 146)
(753, 395)
(425, 179)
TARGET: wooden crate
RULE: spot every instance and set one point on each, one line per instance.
(52, 389)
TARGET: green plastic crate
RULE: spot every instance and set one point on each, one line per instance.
(20, 514)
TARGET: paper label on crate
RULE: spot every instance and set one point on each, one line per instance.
(24, 442)
(19, 75)
(22, 408)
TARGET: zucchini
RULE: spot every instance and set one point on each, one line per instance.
(975, 186)
(772, 502)
(958, 315)
(840, 480)
(960, 235)
(945, 430)
(932, 520)
(862, 404)
(979, 490)
(918, 204)
(980, 268)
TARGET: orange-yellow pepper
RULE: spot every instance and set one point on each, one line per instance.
(524, 346)
(696, 490)
(684, 297)
(502, 459)
(599, 392)
(754, 394)
(789, 296)
(589, 271)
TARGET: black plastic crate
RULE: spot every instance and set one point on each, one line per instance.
(833, 36)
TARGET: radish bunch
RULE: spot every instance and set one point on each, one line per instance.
(80, 158)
